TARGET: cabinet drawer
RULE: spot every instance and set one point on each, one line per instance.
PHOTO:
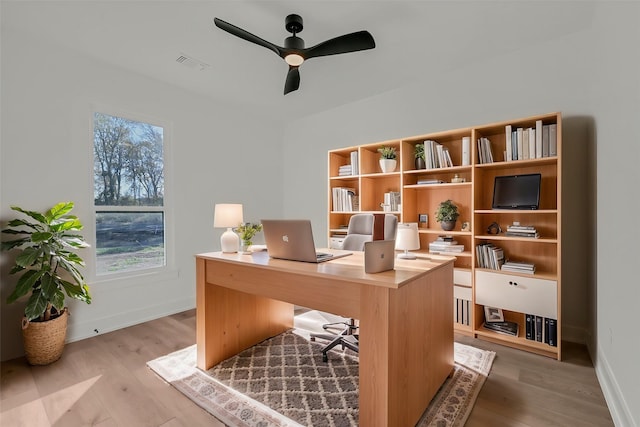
(517, 293)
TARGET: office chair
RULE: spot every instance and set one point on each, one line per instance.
(362, 228)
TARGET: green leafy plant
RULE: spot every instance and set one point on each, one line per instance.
(447, 211)
(247, 231)
(387, 152)
(49, 268)
(419, 151)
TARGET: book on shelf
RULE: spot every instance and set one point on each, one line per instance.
(462, 311)
(466, 151)
(345, 170)
(345, 199)
(538, 139)
(533, 142)
(522, 231)
(508, 328)
(429, 181)
(541, 329)
(392, 199)
(508, 147)
(354, 163)
(489, 256)
(484, 151)
(553, 141)
(518, 267)
(436, 155)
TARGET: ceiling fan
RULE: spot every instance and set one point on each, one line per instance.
(294, 53)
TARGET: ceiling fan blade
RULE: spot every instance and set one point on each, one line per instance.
(239, 32)
(353, 42)
(293, 80)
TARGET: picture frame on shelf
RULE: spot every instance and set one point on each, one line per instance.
(423, 220)
(493, 314)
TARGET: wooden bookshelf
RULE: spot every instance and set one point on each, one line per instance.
(469, 184)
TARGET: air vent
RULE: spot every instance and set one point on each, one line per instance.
(192, 62)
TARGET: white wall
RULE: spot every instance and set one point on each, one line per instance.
(590, 76)
(216, 155)
(616, 105)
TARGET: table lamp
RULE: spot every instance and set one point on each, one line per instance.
(407, 239)
(228, 215)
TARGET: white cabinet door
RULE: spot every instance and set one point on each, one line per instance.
(517, 293)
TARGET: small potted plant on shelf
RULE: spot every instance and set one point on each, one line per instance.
(447, 214)
(387, 159)
(48, 270)
(419, 154)
(247, 231)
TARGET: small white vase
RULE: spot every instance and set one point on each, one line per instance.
(388, 165)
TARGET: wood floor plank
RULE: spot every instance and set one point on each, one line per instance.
(104, 381)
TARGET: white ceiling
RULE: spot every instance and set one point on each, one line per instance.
(415, 40)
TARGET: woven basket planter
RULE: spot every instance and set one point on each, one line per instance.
(44, 341)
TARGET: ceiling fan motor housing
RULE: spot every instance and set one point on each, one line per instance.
(293, 23)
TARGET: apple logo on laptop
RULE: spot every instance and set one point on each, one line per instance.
(285, 238)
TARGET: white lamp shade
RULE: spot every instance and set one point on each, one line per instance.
(228, 215)
(407, 239)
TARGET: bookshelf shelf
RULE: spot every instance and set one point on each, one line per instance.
(459, 151)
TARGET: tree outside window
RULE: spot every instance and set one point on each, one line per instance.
(128, 194)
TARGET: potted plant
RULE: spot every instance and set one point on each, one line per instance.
(419, 154)
(48, 270)
(447, 214)
(387, 158)
(247, 231)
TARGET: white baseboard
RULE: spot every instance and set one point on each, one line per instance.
(615, 400)
(77, 332)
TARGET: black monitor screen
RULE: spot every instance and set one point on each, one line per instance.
(517, 191)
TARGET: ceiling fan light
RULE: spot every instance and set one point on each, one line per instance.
(294, 59)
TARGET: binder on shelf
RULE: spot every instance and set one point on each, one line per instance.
(553, 141)
(529, 326)
(466, 151)
(507, 143)
(538, 139)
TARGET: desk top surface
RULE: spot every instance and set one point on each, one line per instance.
(348, 268)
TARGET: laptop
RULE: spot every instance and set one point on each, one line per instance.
(379, 256)
(292, 239)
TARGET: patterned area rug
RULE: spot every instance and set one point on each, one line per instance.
(283, 382)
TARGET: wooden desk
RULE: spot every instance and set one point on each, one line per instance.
(406, 333)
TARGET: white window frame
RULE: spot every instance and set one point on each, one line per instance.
(168, 271)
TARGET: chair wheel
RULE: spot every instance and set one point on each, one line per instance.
(325, 358)
(313, 339)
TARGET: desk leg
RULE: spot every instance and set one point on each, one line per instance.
(406, 348)
(229, 321)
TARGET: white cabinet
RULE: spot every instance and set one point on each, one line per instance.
(517, 293)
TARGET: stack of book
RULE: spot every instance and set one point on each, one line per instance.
(429, 181)
(508, 328)
(522, 231)
(345, 170)
(519, 267)
(489, 256)
(444, 244)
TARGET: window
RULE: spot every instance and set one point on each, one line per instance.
(128, 181)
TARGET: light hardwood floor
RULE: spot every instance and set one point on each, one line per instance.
(104, 381)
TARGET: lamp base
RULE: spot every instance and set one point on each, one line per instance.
(229, 241)
(407, 255)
